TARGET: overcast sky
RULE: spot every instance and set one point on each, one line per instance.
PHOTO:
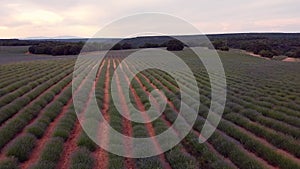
(83, 18)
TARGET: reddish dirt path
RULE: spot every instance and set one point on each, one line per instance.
(262, 161)
(71, 144)
(263, 141)
(127, 128)
(101, 155)
(174, 108)
(265, 163)
(43, 71)
(267, 144)
(249, 153)
(48, 133)
(155, 102)
(149, 126)
(35, 99)
(281, 151)
(169, 124)
(2, 154)
(289, 59)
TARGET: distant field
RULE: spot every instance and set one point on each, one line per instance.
(12, 54)
(39, 129)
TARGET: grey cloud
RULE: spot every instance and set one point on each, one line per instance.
(212, 16)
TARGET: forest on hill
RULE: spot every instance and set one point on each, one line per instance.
(264, 44)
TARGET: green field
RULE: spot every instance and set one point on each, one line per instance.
(39, 129)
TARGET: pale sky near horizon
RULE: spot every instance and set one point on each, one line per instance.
(83, 18)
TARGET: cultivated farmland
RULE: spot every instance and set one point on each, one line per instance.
(39, 129)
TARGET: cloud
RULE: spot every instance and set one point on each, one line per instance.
(39, 17)
(84, 17)
(3, 27)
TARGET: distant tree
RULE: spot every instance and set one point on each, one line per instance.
(278, 44)
(58, 50)
(47, 50)
(220, 45)
(175, 45)
(31, 49)
(40, 50)
(224, 48)
(293, 53)
(150, 45)
(117, 47)
(126, 46)
(258, 47)
(163, 44)
(75, 50)
(297, 53)
(17, 42)
(266, 53)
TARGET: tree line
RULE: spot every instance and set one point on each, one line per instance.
(56, 48)
(266, 45)
(171, 45)
(17, 42)
(72, 48)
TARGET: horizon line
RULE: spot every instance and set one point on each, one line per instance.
(78, 37)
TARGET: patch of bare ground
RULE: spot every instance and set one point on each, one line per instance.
(289, 59)
(48, 133)
(71, 144)
(267, 144)
(2, 154)
(103, 133)
(127, 128)
(155, 101)
(35, 99)
(196, 132)
(148, 126)
(262, 161)
(248, 53)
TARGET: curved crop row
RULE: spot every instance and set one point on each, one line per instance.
(28, 80)
(237, 162)
(48, 88)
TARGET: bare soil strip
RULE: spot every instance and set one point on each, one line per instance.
(289, 59)
(2, 154)
(71, 144)
(41, 71)
(265, 163)
(262, 140)
(267, 144)
(101, 155)
(155, 101)
(48, 133)
(262, 161)
(149, 126)
(35, 99)
(169, 124)
(127, 128)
